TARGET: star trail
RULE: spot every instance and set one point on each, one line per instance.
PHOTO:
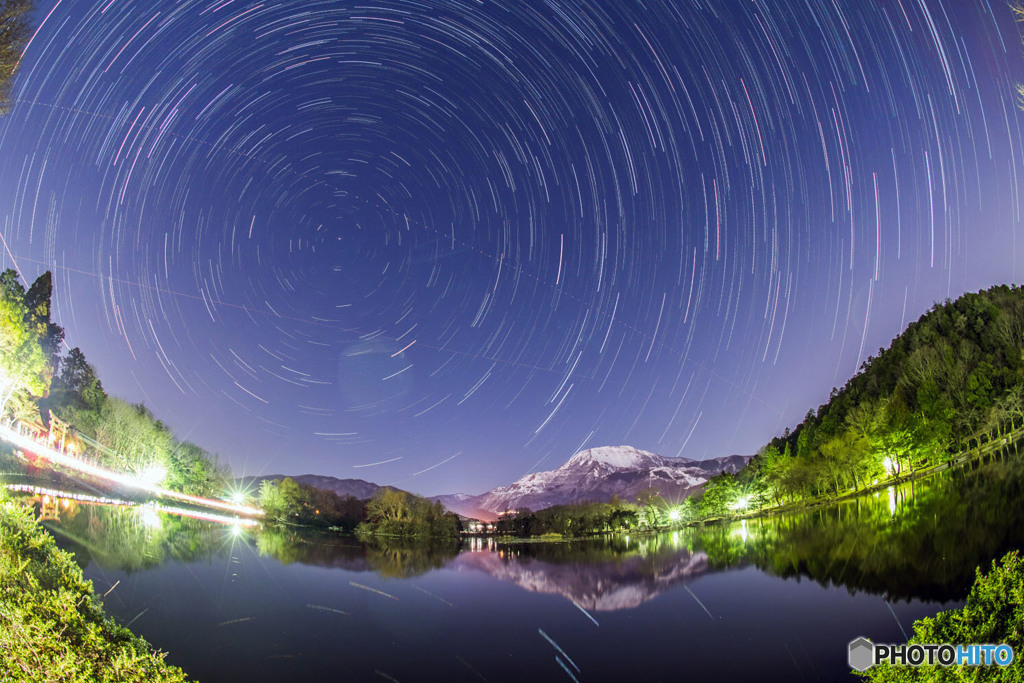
(442, 243)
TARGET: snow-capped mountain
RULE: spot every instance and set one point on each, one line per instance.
(596, 474)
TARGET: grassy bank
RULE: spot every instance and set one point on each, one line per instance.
(52, 624)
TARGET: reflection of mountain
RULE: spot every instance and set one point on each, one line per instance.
(605, 586)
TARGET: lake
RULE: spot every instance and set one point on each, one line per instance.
(774, 598)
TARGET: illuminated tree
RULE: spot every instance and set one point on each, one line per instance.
(720, 494)
(388, 505)
(77, 384)
(24, 366)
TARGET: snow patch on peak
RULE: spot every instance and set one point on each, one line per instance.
(617, 457)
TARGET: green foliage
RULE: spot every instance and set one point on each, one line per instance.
(133, 439)
(721, 493)
(52, 625)
(953, 379)
(77, 386)
(582, 519)
(127, 437)
(116, 434)
(391, 512)
(994, 613)
(25, 370)
(288, 502)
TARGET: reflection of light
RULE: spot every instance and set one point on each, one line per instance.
(743, 530)
(114, 502)
(149, 517)
(675, 540)
(892, 501)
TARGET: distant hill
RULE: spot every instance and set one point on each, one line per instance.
(343, 487)
(596, 475)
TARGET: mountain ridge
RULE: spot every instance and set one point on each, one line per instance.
(594, 474)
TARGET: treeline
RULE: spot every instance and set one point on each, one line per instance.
(951, 381)
(286, 501)
(37, 383)
(583, 519)
(390, 512)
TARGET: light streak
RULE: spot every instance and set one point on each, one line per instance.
(372, 590)
(28, 444)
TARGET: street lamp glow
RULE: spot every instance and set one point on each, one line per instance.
(888, 465)
(153, 475)
(741, 504)
(674, 515)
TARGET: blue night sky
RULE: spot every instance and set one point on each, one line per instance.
(443, 243)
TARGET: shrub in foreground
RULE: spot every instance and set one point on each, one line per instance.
(993, 613)
(52, 625)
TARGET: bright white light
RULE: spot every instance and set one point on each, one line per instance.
(149, 517)
(153, 475)
(741, 504)
(25, 443)
(674, 515)
(889, 466)
(238, 498)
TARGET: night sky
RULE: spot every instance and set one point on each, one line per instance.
(441, 244)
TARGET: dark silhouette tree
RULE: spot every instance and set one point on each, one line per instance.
(15, 30)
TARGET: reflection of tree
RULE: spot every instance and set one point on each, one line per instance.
(918, 541)
(133, 538)
(394, 559)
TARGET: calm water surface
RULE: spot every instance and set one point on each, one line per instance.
(769, 599)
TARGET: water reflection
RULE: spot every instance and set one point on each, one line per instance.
(596, 576)
(921, 540)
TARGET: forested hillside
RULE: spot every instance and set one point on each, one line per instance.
(952, 379)
(40, 388)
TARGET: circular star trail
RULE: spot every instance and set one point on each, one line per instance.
(441, 244)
